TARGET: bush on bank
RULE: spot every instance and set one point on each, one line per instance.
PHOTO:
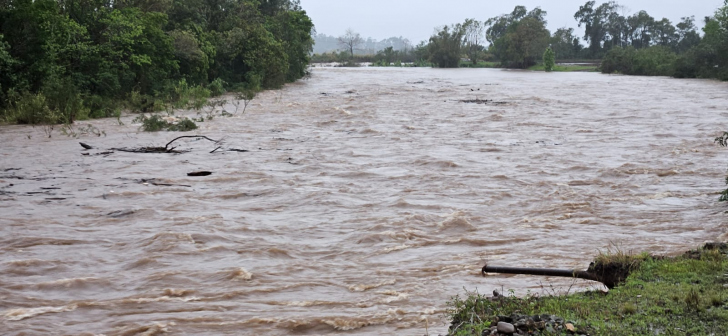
(684, 295)
(652, 61)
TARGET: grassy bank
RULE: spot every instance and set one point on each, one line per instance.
(568, 68)
(685, 295)
(480, 65)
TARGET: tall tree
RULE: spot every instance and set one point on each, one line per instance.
(473, 39)
(497, 27)
(596, 22)
(518, 39)
(350, 40)
(665, 34)
(641, 30)
(687, 33)
(445, 46)
(524, 43)
(565, 44)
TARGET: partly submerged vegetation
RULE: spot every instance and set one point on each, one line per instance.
(684, 295)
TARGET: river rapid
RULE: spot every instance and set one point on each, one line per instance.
(368, 197)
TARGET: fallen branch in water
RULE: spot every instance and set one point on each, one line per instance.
(191, 136)
(611, 273)
(165, 149)
(544, 272)
(481, 101)
(150, 150)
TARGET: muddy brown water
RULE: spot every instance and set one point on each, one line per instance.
(368, 197)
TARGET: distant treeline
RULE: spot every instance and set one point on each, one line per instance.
(631, 44)
(62, 60)
(330, 44)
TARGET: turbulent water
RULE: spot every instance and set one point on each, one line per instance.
(366, 199)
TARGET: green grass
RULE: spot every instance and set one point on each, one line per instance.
(567, 68)
(480, 65)
(686, 295)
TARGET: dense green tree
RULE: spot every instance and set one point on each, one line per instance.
(524, 43)
(640, 33)
(7, 77)
(293, 29)
(688, 34)
(565, 44)
(652, 61)
(599, 25)
(665, 34)
(549, 60)
(445, 46)
(76, 57)
(497, 27)
(518, 39)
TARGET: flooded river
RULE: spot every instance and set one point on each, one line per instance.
(366, 199)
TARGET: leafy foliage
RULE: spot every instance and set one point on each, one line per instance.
(549, 60)
(653, 61)
(156, 123)
(445, 46)
(75, 57)
(520, 38)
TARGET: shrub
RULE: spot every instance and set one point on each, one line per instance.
(652, 61)
(183, 125)
(156, 123)
(31, 109)
(140, 103)
(63, 97)
(618, 60)
(549, 60)
(100, 107)
(217, 87)
(182, 95)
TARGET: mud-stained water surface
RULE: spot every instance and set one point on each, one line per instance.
(367, 198)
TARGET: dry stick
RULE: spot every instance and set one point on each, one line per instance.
(190, 136)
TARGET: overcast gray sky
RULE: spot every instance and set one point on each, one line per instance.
(416, 19)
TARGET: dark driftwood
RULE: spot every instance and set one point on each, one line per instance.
(190, 136)
(481, 101)
(149, 150)
(165, 149)
(155, 183)
(200, 173)
(608, 281)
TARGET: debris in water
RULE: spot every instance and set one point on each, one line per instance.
(200, 173)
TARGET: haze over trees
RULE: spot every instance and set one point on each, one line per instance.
(350, 41)
(67, 60)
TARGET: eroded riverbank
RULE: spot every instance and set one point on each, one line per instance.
(368, 198)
